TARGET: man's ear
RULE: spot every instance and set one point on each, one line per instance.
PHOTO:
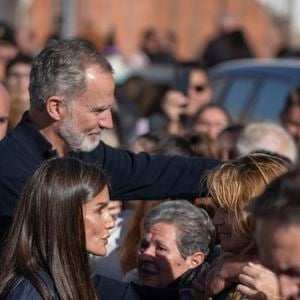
(55, 107)
(196, 259)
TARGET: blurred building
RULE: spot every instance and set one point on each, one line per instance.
(194, 22)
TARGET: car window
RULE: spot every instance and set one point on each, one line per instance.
(237, 95)
(218, 87)
(269, 101)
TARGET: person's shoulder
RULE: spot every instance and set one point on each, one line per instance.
(9, 152)
(10, 143)
(6, 142)
(131, 276)
(111, 289)
(13, 154)
(24, 290)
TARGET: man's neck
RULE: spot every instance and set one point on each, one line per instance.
(49, 129)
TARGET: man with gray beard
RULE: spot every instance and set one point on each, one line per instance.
(71, 96)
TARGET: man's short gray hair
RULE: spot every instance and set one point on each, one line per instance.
(266, 136)
(59, 70)
(195, 231)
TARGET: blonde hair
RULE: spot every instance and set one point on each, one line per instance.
(234, 184)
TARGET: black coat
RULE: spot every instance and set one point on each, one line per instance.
(106, 289)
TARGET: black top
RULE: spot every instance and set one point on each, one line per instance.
(133, 176)
(106, 289)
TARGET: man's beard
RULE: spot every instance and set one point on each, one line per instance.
(76, 140)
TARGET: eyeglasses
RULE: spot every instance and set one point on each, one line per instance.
(199, 87)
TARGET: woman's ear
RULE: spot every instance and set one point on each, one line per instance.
(195, 259)
(55, 107)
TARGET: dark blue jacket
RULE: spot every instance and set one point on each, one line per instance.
(106, 289)
(140, 176)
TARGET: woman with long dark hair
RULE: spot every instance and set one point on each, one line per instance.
(61, 219)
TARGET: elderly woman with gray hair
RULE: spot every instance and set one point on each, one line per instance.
(177, 239)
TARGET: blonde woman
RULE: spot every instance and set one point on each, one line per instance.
(232, 187)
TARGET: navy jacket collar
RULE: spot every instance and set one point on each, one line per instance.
(32, 139)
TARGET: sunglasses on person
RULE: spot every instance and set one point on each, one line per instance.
(199, 87)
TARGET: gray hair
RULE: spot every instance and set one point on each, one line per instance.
(195, 231)
(59, 70)
(267, 136)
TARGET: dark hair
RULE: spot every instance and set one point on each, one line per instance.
(19, 59)
(170, 144)
(183, 72)
(47, 233)
(7, 34)
(280, 200)
(203, 145)
(164, 143)
(59, 70)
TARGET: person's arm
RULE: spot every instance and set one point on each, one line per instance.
(144, 176)
(258, 282)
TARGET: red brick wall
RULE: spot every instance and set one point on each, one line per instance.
(193, 21)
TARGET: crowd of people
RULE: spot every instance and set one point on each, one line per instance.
(201, 207)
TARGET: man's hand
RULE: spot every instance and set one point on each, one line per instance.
(258, 282)
(222, 274)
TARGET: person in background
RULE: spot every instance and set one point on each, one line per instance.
(148, 98)
(177, 239)
(173, 108)
(5, 104)
(290, 115)
(277, 212)
(169, 43)
(17, 77)
(199, 91)
(230, 43)
(8, 49)
(232, 186)
(17, 83)
(153, 48)
(202, 145)
(266, 136)
(227, 140)
(146, 142)
(211, 119)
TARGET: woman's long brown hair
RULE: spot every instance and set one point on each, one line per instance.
(47, 234)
